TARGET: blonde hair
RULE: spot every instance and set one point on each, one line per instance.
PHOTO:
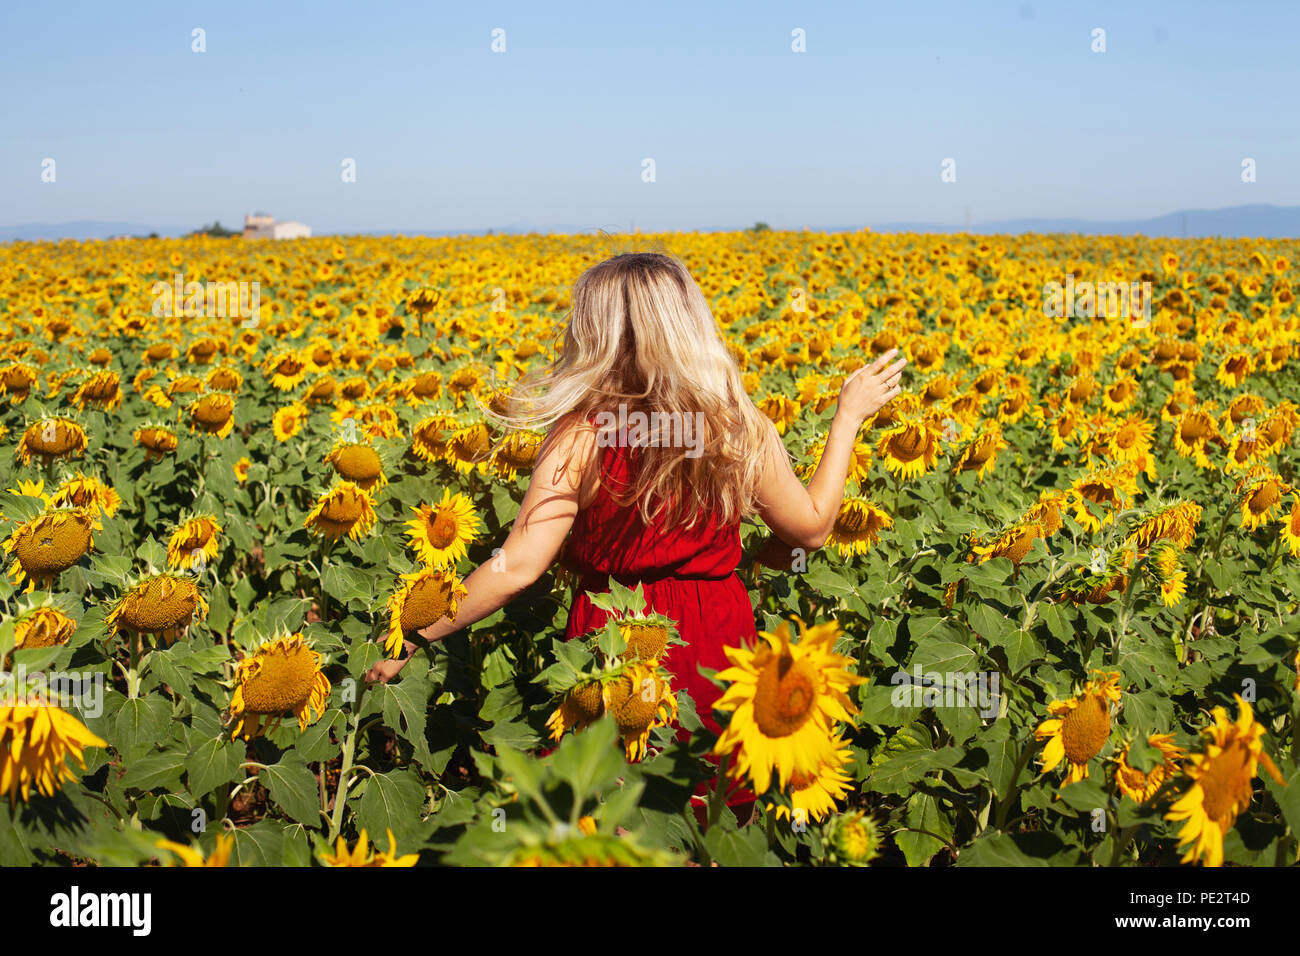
(641, 334)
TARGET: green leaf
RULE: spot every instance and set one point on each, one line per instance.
(294, 788)
(212, 763)
(393, 801)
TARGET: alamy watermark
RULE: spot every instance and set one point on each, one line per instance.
(1090, 300)
(242, 300)
(950, 689)
(638, 429)
(79, 690)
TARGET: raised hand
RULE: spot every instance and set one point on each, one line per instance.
(867, 390)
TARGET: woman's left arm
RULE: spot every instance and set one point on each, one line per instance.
(536, 537)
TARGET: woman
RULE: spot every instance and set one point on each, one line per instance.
(654, 455)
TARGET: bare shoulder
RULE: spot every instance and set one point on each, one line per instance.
(568, 452)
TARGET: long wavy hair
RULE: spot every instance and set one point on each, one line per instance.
(641, 335)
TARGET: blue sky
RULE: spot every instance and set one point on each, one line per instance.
(552, 133)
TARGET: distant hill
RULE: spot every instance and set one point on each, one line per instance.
(84, 229)
(1253, 221)
(1256, 221)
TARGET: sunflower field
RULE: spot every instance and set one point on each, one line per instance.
(1055, 623)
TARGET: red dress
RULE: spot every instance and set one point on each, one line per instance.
(687, 574)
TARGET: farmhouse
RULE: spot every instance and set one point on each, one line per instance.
(262, 226)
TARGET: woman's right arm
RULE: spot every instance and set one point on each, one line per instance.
(804, 516)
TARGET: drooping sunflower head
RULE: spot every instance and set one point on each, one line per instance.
(1141, 785)
(813, 795)
(358, 463)
(858, 525)
(516, 453)
(52, 439)
(156, 440)
(469, 447)
(582, 705)
(441, 533)
(88, 492)
(36, 742)
(49, 544)
(1260, 494)
(430, 436)
(161, 604)
(784, 700)
(647, 636)
(639, 699)
(911, 448)
(213, 414)
(282, 677)
(1079, 726)
(421, 600)
(194, 543)
(1221, 780)
(43, 626)
(1014, 544)
(346, 509)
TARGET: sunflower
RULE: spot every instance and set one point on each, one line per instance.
(430, 436)
(285, 370)
(52, 439)
(192, 857)
(469, 447)
(1258, 496)
(813, 795)
(441, 533)
(857, 526)
(1100, 488)
(88, 492)
(358, 463)
(156, 440)
(1234, 369)
(161, 604)
(240, 469)
(1175, 523)
(287, 421)
(639, 699)
(423, 599)
(1140, 786)
(44, 626)
(1173, 579)
(781, 410)
(910, 449)
(1014, 544)
(515, 453)
(101, 390)
(362, 855)
(1291, 528)
(346, 509)
(981, 453)
(194, 542)
(213, 414)
(32, 489)
(1193, 430)
(1046, 511)
(582, 705)
(49, 544)
(647, 636)
(36, 740)
(283, 676)
(1222, 783)
(851, 839)
(1079, 726)
(784, 700)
